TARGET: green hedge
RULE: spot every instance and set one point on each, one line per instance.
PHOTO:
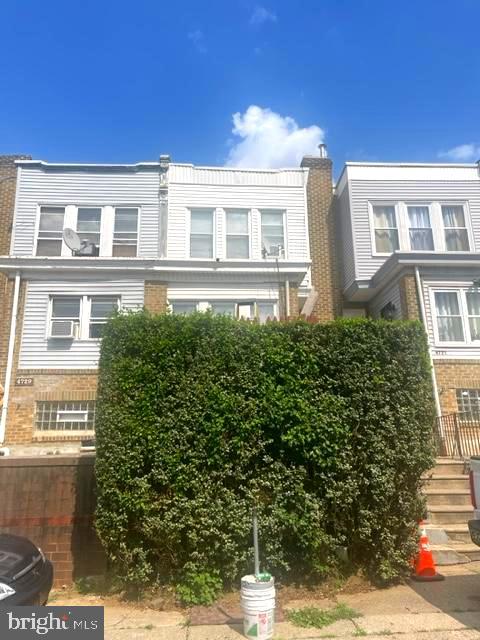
(325, 427)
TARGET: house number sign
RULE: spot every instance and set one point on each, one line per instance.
(23, 382)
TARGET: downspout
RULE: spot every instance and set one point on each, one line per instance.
(423, 315)
(11, 347)
(287, 299)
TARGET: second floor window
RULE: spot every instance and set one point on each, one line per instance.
(88, 224)
(457, 315)
(385, 228)
(201, 233)
(238, 240)
(273, 237)
(125, 232)
(50, 229)
(420, 230)
(456, 234)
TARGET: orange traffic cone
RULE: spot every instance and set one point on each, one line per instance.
(424, 564)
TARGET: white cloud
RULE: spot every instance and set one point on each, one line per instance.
(462, 153)
(260, 15)
(267, 140)
(198, 39)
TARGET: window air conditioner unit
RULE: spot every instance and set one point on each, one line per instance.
(62, 329)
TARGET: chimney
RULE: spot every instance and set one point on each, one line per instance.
(322, 235)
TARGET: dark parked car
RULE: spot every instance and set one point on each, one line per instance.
(26, 576)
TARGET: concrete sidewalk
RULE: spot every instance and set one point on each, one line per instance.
(424, 611)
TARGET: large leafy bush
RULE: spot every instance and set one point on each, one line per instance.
(325, 428)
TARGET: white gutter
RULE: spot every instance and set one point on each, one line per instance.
(11, 347)
(436, 397)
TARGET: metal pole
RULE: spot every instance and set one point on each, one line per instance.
(255, 544)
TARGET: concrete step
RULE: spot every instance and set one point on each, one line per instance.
(449, 514)
(448, 496)
(444, 534)
(455, 553)
(447, 466)
(447, 482)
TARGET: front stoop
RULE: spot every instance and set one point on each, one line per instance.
(449, 508)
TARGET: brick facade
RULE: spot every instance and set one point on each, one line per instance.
(452, 375)
(155, 296)
(323, 238)
(409, 298)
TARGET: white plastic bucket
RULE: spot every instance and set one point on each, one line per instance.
(257, 600)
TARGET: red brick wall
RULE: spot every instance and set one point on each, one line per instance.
(51, 500)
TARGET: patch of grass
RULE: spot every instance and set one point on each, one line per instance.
(149, 627)
(318, 618)
(359, 632)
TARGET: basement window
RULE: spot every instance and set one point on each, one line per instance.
(65, 416)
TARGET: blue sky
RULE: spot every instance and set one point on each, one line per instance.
(118, 81)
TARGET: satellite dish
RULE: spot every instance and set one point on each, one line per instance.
(71, 239)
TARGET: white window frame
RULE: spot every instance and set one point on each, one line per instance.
(137, 243)
(204, 305)
(468, 224)
(463, 307)
(383, 203)
(82, 332)
(436, 223)
(107, 222)
(249, 230)
(282, 210)
(407, 241)
(214, 212)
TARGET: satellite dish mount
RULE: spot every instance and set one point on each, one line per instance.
(79, 247)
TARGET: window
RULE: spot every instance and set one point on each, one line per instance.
(183, 308)
(238, 240)
(385, 228)
(88, 224)
(456, 234)
(449, 318)
(273, 240)
(125, 232)
(80, 317)
(468, 403)
(223, 308)
(201, 233)
(473, 310)
(420, 231)
(65, 317)
(65, 416)
(265, 311)
(101, 308)
(50, 228)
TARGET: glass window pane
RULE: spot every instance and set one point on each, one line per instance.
(473, 303)
(223, 308)
(51, 219)
(89, 219)
(201, 246)
(446, 303)
(265, 310)
(272, 217)
(183, 307)
(237, 222)
(456, 240)
(126, 220)
(202, 221)
(386, 240)
(49, 248)
(245, 310)
(474, 328)
(453, 216)
(419, 217)
(237, 247)
(124, 250)
(384, 216)
(96, 329)
(66, 307)
(103, 307)
(421, 239)
(450, 329)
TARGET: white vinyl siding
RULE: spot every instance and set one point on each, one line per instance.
(73, 188)
(37, 351)
(224, 190)
(390, 294)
